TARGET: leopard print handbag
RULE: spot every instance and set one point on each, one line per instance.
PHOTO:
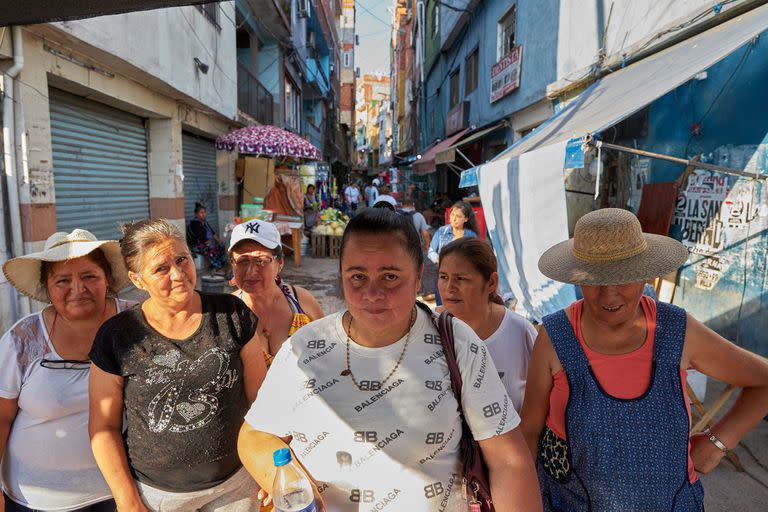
(553, 452)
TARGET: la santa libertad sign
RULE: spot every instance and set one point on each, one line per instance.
(505, 74)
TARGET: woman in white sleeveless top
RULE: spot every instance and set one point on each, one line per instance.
(47, 463)
(468, 281)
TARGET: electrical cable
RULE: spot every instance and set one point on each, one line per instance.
(747, 52)
(715, 9)
(371, 13)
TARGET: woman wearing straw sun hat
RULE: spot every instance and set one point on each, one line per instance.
(47, 463)
(605, 411)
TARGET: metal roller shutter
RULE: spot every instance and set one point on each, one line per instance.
(101, 178)
(200, 185)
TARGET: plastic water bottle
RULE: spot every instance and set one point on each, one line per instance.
(291, 490)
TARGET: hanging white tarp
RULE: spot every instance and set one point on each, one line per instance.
(527, 198)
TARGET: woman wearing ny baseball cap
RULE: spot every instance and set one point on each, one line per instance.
(256, 255)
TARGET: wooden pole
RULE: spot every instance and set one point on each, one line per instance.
(684, 161)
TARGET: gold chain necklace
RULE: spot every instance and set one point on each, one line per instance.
(347, 372)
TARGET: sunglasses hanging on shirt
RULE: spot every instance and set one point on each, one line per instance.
(65, 364)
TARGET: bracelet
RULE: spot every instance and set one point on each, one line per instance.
(716, 441)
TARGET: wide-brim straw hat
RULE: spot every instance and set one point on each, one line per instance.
(23, 272)
(609, 248)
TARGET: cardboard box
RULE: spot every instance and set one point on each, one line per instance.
(258, 177)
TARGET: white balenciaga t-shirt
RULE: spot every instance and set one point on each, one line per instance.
(511, 346)
(385, 448)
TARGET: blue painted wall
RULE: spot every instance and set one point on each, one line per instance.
(318, 66)
(729, 105)
(536, 30)
(730, 108)
(268, 58)
(269, 69)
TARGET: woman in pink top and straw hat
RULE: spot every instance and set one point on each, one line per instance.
(605, 412)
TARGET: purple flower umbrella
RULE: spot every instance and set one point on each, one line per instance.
(268, 140)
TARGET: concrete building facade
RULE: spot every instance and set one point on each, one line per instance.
(347, 77)
(502, 68)
(107, 98)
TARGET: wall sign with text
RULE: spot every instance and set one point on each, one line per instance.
(505, 74)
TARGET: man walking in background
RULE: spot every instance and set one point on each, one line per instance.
(372, 192)
(419, 222)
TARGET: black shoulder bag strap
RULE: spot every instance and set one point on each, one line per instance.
(475, 470)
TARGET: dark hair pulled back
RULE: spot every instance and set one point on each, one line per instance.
(139, 237)
(477, 253)
(382, 221)
(468, 212)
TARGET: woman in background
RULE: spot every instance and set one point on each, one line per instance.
(257, 259)
(462, 223)
(203, 240)
(468, 281)
(310, 208)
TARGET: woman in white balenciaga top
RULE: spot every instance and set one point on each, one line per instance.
(364, 396)
(468, 280)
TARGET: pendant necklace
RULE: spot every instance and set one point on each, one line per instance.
(347, 372)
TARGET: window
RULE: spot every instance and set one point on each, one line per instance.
(435, 20)
(454, 89)
(470, 72)
(242, 39)
(211, 12)
(347, 59)
(432, 121)
(506, 35)
(292, 106)
(303, 8)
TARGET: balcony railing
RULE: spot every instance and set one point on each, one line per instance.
(252, 97)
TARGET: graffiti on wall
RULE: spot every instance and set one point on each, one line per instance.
(713, 213)
(697, 213)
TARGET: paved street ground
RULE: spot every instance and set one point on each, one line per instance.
(726, 489)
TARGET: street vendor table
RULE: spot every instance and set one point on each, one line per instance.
(293, 229)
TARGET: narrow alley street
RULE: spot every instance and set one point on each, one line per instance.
(589, 177)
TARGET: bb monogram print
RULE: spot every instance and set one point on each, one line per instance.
(358, 441)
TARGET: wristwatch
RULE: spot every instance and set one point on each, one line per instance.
(716, 440)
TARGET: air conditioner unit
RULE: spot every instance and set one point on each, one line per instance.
(303, 8)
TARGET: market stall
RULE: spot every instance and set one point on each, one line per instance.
(268, 170)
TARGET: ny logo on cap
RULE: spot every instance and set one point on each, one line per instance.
(252, 228)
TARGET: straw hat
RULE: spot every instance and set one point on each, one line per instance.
(609, 247)
(24, 272)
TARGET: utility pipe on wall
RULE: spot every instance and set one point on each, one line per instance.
(14, 152)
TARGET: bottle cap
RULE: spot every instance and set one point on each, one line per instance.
(282, 457)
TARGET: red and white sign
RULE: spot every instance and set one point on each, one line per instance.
(505, 74)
